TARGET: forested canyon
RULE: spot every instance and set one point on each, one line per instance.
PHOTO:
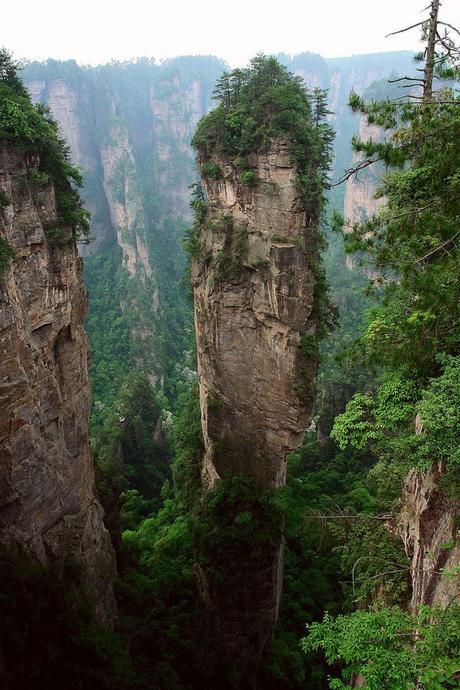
(230, 376)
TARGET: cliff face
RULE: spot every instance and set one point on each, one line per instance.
(253, 296)
(47, 492)
(360, 201)
(427, 524)
(129, 129)
(72, 105)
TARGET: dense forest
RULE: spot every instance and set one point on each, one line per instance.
(369, 588)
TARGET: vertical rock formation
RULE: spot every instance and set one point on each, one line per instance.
(47, 492)
(427, 524)
(254, 310)
(129, 128)
(254, 301)
(360, 201)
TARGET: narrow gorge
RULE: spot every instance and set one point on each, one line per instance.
(229, 374)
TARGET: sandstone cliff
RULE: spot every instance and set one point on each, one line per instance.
(360, 201)
(129, 128)
(427, 524)
(254, 304)
(47, 492)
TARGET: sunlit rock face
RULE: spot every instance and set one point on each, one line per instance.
(254, 301)
(47, 491)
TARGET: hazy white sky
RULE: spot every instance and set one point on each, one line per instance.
(94, 31)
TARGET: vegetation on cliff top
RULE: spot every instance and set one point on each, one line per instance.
(259, 104)
(31, 129)
(256, 106)
(414, 333)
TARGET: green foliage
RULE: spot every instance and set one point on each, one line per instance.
(258, 105)
(439, 414)
(48, 632)
(188, 444)
(412, 243)
(385, 422)
(108, 330)
(310, 345)
(236, 517)
(7, 254)
(414, 237)
(131, 452)
(161, 613)
(212, 170)
(375, 562)
(248, 177)
(191, 242)
(410, 417)
(38, 177)
(271, 85)
(323, 486)
(4, 199)
(31, 129)
(265, 102)
(391, 649)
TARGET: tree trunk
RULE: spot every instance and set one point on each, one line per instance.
(430, 53)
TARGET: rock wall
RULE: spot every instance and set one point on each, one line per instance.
(47, 491)
(129, 128)
(254, 301)
(427, 524)
(360, 201)
(71, 101)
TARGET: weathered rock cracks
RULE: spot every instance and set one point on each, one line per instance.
(427, 524)
(255, 311)
(47, 492)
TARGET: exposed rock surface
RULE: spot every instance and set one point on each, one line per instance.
(428, 527)
(254, 300)
(130, 135)
(72, 105)
(47, 491)
(360, 201)
(129, 128)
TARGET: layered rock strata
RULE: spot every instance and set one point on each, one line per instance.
(254, 313)
(47, 491)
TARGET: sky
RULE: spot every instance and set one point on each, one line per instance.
(97, 31)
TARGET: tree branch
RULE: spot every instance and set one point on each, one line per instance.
(437, 249)
(354, 171)
(450, 27)
(408, 28)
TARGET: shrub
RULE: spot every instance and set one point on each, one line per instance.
(7, 254)
(248, 177)
(211, 170)
(4, 200)
(30, 128)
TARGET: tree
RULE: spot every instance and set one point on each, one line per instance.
(413, 336)
(31, 129)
